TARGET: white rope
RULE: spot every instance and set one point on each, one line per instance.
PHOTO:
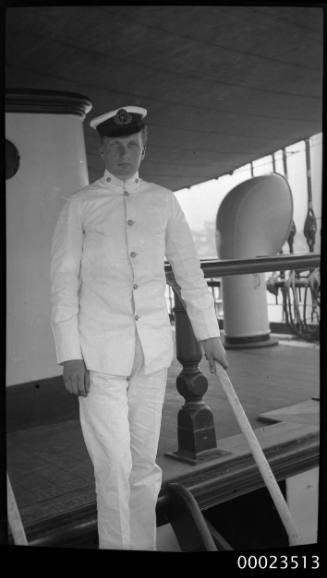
(259, 457)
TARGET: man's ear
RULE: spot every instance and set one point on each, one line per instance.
(101, 147)
(144, 140)
(144, 136)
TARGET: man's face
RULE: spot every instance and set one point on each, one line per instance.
(122, 155)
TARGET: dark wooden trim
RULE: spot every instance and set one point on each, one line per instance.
(219, 483)
(66, 529)
(39, 402)
(238, 476)
(38, 101)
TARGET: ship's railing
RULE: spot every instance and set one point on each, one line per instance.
(195, 428)
(294, 281)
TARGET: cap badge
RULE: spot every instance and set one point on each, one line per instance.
(122, 117)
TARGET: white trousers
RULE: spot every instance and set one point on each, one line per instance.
(120, 420)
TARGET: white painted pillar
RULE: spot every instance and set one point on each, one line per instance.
(45, 129)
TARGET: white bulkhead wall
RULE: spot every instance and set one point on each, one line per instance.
(52, 166)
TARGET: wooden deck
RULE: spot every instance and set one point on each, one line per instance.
(52, 476)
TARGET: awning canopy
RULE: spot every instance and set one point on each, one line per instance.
(223, 85)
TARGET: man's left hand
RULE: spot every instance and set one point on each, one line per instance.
(214, 351)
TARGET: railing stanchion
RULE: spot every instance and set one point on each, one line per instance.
(195, 425)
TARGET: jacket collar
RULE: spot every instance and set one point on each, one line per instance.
(113, 183)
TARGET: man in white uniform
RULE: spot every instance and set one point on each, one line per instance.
(111, 326)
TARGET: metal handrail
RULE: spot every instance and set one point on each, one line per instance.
(221, 267)
(295, 264)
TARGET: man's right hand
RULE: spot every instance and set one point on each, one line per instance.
(76, 377)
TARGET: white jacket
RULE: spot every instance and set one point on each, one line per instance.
(107, 276)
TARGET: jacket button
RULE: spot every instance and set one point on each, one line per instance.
(130, 222)
(137, 317)
(133, 254)
(108, 179)
(126, 193)
(135, 286)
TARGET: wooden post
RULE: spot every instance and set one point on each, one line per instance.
(195, 425)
